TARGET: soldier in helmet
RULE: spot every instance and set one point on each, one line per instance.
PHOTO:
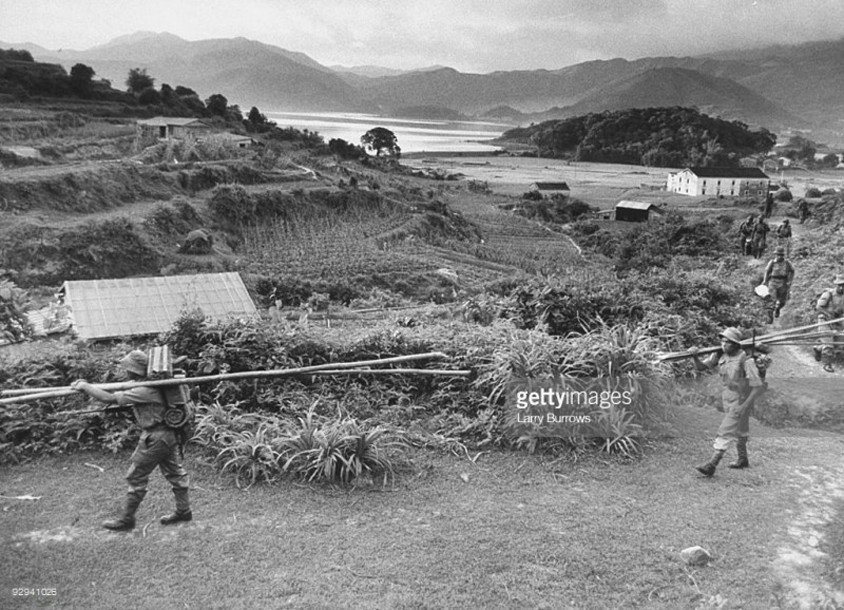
(158, 445)
(759, 239)
(746, 233)
(803, 210)
(742, 385)
(830, 306)
(784, 236)
(778, 277)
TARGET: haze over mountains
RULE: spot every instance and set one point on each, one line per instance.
(781, 87)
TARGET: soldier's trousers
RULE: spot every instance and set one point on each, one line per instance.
(156, 447)
(779, 293)
(827, 345)
(735, 425)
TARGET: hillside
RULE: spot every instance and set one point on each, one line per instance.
(782, 87)
(383, 485)
(683, 87)
(659, 137)
(244, 71)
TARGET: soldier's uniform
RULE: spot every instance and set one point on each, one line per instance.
(830, 306)
(158, 446)
(778, 275)
(784, 236)
(745, 235)
(741, 380)
(738, 374)
(760, 237)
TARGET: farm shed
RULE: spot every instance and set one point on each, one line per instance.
(734, 181)
(165, 127)
(636, 211)
(550, 188)
(237, 140)
(101, 309)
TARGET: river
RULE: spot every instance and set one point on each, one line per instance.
(413, 135)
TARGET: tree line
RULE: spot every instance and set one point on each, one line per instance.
(660, 137)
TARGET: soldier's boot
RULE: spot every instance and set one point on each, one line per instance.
(126, 521)
(817, 351)
(183, 512)
(741, 448)
(708, 469)
(777, 309)
(770, 316)
(827, 354)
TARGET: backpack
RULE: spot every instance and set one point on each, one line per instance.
(179, 408)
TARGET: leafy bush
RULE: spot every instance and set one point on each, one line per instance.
(231, 205)
(563, 308)
(314, 448)
(559, 210)
(14, 325)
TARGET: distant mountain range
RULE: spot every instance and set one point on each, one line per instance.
(799, 87)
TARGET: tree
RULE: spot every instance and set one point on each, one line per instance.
(217, 104)
(380, 139)
(168, 96)
(185, 91)
(149, 97)
(138, 80)
(80, 79)
(345, 150)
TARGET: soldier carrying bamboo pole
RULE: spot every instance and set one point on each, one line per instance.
(830, 306)
(158, 445)
(742, 385)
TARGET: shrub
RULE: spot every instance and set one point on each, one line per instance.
(14, 325)
(231, 205)
(813, 192)
(783, 195)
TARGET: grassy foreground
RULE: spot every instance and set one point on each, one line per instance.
(511, 530)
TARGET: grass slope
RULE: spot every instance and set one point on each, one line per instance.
(507, 531)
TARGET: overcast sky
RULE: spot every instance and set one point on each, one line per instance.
(469, 35)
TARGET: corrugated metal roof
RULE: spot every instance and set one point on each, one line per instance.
(552, 186)
(636, 205)
(102, 309)
(160, 121)
(728, 172)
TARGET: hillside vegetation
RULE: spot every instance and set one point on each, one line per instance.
(662, 137)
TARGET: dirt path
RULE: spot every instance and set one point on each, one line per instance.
(806, 391)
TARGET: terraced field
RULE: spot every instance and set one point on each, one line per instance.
(345, 246)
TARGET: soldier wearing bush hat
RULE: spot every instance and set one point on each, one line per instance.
(158, 445)
(779, 274)
(830, 306)
(742, 385)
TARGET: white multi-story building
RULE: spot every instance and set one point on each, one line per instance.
(714, 181)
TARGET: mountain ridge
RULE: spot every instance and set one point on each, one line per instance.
(781, 87)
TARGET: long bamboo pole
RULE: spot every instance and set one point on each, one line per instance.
(58, 393)
(791, 333)
(335, 368)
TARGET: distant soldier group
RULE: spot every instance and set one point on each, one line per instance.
(753, 235)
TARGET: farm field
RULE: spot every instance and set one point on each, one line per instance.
(600, 184)
(469, 514)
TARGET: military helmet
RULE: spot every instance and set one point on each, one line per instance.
(785, 222)
(839, 279)
(135, 361)
(779, 250)
(732, 334)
